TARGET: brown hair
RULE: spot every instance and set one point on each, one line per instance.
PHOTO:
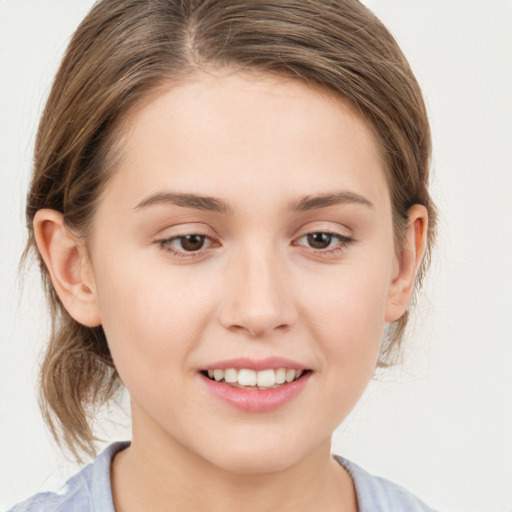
(125, 48)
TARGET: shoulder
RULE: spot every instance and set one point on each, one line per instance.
(88, 490)
(376, 494)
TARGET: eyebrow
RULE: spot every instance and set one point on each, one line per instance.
(213, 204)
(206, 203)
(325, 200)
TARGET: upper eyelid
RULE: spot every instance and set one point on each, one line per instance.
(344, 232)
(179, 230)
(325, 225)
(212, 240)
(326, 231)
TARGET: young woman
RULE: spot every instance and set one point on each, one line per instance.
(230, 203)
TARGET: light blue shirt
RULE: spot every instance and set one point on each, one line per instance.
(90, 491)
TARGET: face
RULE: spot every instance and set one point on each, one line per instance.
(247, 233)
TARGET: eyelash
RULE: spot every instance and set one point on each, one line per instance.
(342, 243)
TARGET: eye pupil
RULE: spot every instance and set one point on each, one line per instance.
(319, 240)
(192, 242)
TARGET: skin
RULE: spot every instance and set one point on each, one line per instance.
(256, 289)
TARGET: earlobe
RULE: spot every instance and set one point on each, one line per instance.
(68, 266)
(409, 261)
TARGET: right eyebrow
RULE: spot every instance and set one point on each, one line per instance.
(206, 203)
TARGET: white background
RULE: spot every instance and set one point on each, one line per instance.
(441, 424)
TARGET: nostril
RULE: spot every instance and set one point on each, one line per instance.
(257, 331)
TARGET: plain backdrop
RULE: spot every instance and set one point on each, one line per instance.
(441, 424)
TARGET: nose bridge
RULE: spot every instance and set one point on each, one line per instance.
(258, 298)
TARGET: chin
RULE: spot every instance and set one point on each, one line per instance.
(250, 457)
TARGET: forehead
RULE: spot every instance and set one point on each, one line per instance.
(217, 134)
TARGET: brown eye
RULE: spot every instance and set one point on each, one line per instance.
(319, 240)
(192, 242)
(323, 243)
(188, 246)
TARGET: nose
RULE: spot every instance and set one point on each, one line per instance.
(258, 299)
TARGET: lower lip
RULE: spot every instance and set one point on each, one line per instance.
(257, 400)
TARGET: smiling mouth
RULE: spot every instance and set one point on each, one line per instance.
(251, 379)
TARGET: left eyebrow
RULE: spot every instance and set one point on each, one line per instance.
(307, 203)
(206, 203)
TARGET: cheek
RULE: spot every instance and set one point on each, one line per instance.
(150, 316)
(348, 319)
(352, 303)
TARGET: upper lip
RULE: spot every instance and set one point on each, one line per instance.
(268, 363)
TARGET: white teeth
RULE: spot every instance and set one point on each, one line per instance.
(281, 376)
(218, 374)
(231, 375)
(262, 379)
(266, 378)
(247, 377)
(290, 375)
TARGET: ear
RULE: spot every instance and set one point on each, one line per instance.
(68, 265)
(408, 263)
